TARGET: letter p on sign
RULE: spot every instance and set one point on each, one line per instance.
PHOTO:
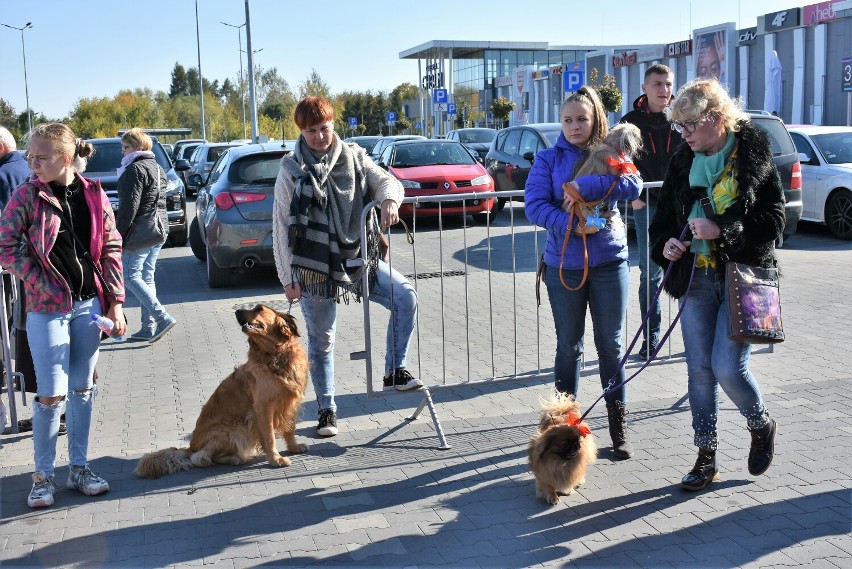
(573, 80)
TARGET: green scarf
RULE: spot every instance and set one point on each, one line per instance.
(704, 173)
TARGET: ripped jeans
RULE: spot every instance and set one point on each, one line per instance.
(65, 347)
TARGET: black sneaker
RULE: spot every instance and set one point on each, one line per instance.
(327, 426)
(401, 380)
(644, 352)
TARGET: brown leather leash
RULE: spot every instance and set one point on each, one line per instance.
(574, 194)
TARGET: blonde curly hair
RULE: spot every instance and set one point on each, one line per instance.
(705, 97)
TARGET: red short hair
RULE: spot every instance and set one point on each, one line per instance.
(311, 111)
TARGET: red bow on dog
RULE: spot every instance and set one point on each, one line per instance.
(621, 167)
(574, 421)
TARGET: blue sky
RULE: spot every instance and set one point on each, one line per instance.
(98, 47)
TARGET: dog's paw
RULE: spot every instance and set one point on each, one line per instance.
(581, 482)
(279, 460)
(552, 498)
(298, 449)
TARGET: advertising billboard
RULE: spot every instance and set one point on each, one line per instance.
(713, 49)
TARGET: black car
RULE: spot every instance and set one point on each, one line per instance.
(787, 162)
(102, 165)
(477, 139)
(512, 153)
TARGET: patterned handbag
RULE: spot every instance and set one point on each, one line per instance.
(754, 304)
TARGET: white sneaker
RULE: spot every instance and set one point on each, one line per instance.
(41, 496)
(86, 481)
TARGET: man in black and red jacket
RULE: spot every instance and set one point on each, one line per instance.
(660, 142)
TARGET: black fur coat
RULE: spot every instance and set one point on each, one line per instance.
(749, 227)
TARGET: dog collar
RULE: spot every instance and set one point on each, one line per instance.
(582, 426)
(622, 167)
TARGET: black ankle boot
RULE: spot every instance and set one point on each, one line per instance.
(620, 443)
(762, 448)
(704, 471)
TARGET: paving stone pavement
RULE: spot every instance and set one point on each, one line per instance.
(382, 494)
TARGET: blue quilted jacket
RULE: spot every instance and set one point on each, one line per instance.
(543, 205)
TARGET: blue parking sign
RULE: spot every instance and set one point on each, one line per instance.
(439, 96)
(353, 122)
(391, 116)
(451, 109)
(573, 80)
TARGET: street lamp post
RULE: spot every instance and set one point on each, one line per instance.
(242, 92)
(26, 86)
(200, 76)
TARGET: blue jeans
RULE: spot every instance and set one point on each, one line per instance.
(139, 267)
(647, 267)
(605, 293)
(391, 290)
(65, 349)
(713, 359)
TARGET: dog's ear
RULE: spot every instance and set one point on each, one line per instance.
(288, 326)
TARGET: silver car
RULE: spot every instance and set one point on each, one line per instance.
(825, 153)
(232, 229)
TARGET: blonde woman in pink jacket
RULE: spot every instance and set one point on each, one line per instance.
(56, 234)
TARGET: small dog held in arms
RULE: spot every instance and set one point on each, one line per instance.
(561, 450)
(259, 399)
(614, 156)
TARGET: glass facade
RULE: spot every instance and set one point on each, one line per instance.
(474, 74)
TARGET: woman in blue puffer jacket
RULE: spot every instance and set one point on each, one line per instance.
(605, 290)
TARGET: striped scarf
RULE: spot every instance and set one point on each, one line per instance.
(324, 226)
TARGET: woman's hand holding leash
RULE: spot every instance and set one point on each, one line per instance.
(390, 214)
(704, 228)
(293, 291)
(675, 249)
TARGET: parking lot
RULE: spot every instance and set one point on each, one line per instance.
(383, 494)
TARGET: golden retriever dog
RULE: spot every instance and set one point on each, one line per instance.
(259, 399)
(561, 450)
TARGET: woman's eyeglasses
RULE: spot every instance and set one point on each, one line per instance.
(125, 147)
(688, 126)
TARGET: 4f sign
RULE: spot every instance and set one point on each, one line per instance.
(572, 80)
(780, 20)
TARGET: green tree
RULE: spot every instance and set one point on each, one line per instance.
(179, 85)
(501, 109)
(607, 90)
(314, 85)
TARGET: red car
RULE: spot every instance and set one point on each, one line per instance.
(438, 168)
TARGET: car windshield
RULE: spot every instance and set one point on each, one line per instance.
(484, 136)
(107, 156)
(367, 145)
(430, 154)
(255, 169)
(836, 147)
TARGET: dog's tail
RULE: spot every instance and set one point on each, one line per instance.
(162, 462)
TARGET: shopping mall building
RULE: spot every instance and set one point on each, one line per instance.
(796, 63)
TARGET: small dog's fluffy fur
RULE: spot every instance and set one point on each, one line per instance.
(559, 454)
(624, 141)
(257, 400)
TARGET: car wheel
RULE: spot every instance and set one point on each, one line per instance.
(501, 203)
(178, 238)
(838, 214)
(195, 242)
(217, 277)
(486, 216)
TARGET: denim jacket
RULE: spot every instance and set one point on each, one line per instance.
(29, 227)
(543, 205)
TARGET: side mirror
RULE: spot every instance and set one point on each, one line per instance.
(195, 180)
(805, 159)
(529, 157)
(182, 165)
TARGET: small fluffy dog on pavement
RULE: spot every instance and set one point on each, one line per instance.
(561, 450)
(257, 400)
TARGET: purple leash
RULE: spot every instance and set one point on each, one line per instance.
(662, 341)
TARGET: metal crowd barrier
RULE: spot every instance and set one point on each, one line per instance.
(7, 301)
(478, 321)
